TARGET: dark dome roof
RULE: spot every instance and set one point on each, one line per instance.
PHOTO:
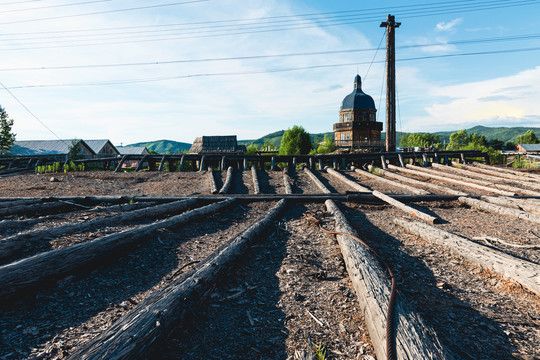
(358, 99)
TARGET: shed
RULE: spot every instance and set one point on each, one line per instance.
(133, 150)
(216, 145)
(102, 147)
(528, 148)
(50, 147)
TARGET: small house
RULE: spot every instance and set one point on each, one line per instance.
(216, 145)
(55, 148)
(529, 148)
(103, 147)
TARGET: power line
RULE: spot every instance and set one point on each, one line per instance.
(266, 71)
(19, 2)
(255, 57)
(250, 28)
(104, 12)
(53, 6)
(31, 113)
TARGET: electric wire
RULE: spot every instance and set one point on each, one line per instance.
(104, 12)
(54, 6)
(254, 57)
(31, 113)
(264, 71)
(375, 55)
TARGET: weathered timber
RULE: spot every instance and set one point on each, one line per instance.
(524, 272)
(530, 178)
(520, 174)
(414, 339)
(432, 187)
(445, 179)
(137, 333)
(15, 244)
(140, 163)
(287, 181)
(162, 163)
(33, 209)
(7, 204)
(353, 184)
(317, 182)
(181, 166)
(119, 166)
(256, 186)
(408, 188)
(212, 181)
(228, 181)
(500, 210)
(520, 204)
(442, 170)
(42, 269)
(419, 214)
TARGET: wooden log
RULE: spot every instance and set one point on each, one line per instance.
(228, 181)
(7, 204)
(33, 209)
(42, 269)
(498, 175)
(181, 166)
(411, 169)
(202, 164)
(383, 162)
(119, 166)
(442, 170)
(319, 161)
(162, 163)
(500, 210)
(521, 175)
(408, 188)
(400, 158)
(510, 267)
(414, 338)
(136, 334)
(520, 204)
(287, 181)
(141, 162)
(353, 184)
(212, 181)
(407, 209)
(15, 244)
(435, 188)
(245, 163)
(317, 182)
(256, 186)
(273, 163)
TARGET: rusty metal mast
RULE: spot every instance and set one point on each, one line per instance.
(391, 26)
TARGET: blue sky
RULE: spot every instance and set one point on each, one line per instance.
(137, 71)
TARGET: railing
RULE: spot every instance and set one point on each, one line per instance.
(359, 143)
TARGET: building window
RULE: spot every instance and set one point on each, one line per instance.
(346, 117)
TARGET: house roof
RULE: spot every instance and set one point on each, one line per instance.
(358, 99)
(132, 150)
(45, 147)
(216, 144)
(98, 145)
(530, 147)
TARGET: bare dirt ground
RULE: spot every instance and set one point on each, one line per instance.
(290, 290)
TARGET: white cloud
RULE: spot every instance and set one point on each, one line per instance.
(504, 101)
(448, 26)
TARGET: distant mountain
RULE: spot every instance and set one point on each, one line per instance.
(491, 133)
(164, 146)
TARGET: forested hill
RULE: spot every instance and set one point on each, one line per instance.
(502, 133)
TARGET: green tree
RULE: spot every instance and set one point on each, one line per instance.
(327, 146)
(7, 138)
(458, 140)
(74, 149)
(295, 141)
(419, 140)
(252, 149)
(528, 138)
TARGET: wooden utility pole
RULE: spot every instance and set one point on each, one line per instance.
(391, 26)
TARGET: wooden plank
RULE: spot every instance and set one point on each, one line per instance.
(162, 163)
(414, 338)
(119, 166)
(202, 164)
(256, 186)
(42, 269)
(137, 333)
(524, 272)
(287, 181)
(15, 244)
(228, 181)
(411, 189)
(181, 166)
(141, 162)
